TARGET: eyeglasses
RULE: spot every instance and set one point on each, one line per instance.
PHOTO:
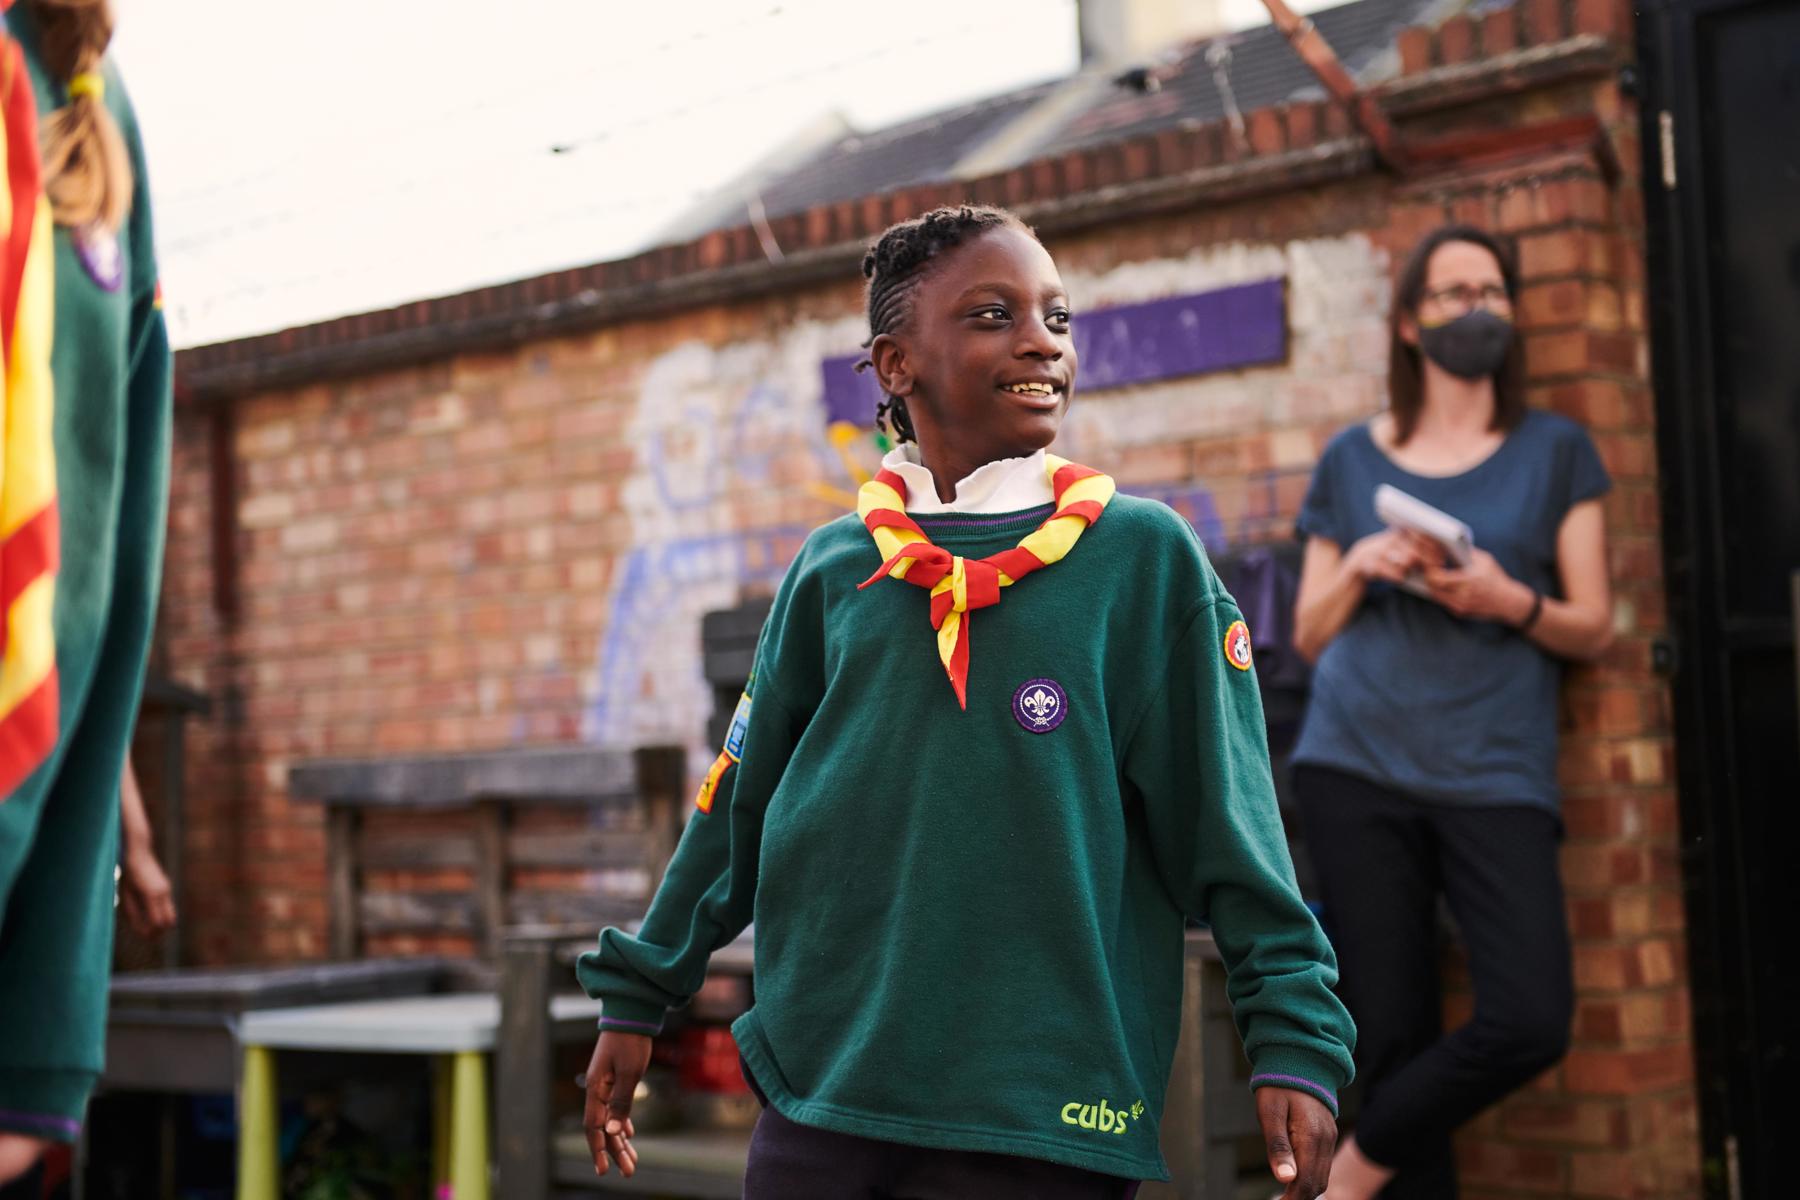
(1460, 298)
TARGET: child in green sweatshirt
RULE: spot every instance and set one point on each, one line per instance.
(59, 831)
(1003, 738)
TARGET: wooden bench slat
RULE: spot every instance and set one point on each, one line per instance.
(593, 849)
(571, 774)
(587, 909)
(389, 850)
(416, 912)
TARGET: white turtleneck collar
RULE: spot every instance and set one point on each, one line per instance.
(1002, 486)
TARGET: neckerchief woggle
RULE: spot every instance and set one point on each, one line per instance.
(961, 585)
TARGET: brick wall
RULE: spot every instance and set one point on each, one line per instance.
(513, 546)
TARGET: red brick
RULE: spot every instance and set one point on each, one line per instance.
(1500, 30)
(1337, 122)
(1560, 1122)
(1553, 305)
(1544, 21)
(1265, 132)
(1528, 1170)
(1627, 1072)
(1551, 354)
(1604, 17)
(1456, 40)
(1605, 1175)
(1414, 44)
(1138, 160)
(1303, 121)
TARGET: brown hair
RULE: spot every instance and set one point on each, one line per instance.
(1406, 376)
(87, 169)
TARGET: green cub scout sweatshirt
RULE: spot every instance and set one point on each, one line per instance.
(970, 924)
(59, 833)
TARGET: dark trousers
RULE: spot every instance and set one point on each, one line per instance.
(1383, 859)
(789, 1161)
(29, 1186)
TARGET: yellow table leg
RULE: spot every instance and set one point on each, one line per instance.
(469, 1126)
(259, 1148)
(440, 1127)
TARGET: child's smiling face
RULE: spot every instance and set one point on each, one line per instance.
(985, 359)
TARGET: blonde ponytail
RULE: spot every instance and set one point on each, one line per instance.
(87, 169)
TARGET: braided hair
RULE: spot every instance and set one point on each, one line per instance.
(895, 264)
(87, 166)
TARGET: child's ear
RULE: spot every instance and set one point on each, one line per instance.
(891, 369)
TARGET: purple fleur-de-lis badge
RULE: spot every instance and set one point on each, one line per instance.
(1040, 705)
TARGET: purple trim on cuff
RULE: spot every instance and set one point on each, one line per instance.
(1323, 1093)
(630, 1026)
(66, 1125)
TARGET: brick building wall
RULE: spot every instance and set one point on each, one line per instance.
(513, 545)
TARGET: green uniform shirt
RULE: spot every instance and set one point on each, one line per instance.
(59, 832)
(970, 925)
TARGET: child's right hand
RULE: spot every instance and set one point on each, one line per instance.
(618, 1063)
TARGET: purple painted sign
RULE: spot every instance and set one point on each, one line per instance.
(1220, 330)
(849, 396)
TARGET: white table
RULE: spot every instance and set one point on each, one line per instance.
(457, 1030)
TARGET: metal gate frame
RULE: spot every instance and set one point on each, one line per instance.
(1734, 1111)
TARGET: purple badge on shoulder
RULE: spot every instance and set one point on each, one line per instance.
(98, 249)
(1040, 705)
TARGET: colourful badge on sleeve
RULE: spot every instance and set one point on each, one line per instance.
(709, 787)
(1237, 645)
(730, 756)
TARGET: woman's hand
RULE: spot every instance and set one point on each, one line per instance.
(1481, 591)
(1391, 555)
(1300, 1134)
(618, 1063)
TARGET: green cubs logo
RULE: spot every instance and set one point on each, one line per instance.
(1102, 1117)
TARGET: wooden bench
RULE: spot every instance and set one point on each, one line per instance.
(469, 844)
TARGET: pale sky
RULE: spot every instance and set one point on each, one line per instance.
(309, 161)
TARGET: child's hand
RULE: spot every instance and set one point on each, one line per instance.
(145, 893)
(619, 1061)
(1300, 1133)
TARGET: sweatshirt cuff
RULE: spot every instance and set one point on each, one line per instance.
(1300, 1070)
(632, 1016)
(44, 1103)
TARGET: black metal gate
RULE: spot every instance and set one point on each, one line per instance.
(1721, 122)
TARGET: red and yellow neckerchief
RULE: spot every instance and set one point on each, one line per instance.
(30, 539)
(959, 585)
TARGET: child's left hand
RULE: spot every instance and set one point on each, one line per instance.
(1300, 1134)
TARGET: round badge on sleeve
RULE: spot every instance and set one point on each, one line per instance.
(1237, 645)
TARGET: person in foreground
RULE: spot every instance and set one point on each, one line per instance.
(1001, 740)
(1426, 764)
(112, 385)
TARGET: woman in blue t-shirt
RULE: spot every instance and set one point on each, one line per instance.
(1426, 765)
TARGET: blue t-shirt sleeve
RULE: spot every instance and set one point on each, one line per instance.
(1318, 511)
(1583, 474)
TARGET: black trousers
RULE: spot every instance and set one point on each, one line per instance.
(789, 1161)
(28, 1186)
(1383, 859)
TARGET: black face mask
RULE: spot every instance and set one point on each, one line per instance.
(1473, 346)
